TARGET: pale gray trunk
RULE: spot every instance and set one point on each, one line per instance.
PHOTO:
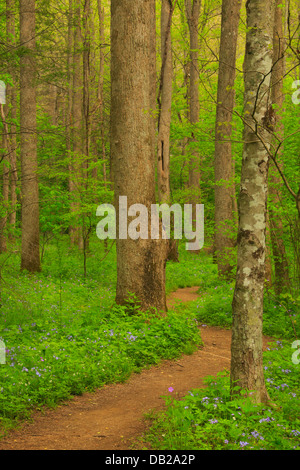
(246, 349)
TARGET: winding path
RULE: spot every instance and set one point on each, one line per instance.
(113, 417)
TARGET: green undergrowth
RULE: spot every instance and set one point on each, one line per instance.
(208, 419)
(65, 335)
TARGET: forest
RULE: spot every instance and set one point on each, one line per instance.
(123, 331)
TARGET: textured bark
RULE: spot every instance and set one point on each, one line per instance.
(30, 256)
(282, 282)
(164, 117)
(12, 115)
(193, 14)
(141, 262)
(101, 15)
(246, 349)
(224, 176)
(77, 128)
(86, 79)
(163, 140)
(5, 195)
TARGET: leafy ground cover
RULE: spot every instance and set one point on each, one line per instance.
(64, 335)
(208, 419)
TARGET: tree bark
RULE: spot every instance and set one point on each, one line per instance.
(30, 256)
(141, 262)
(12, 101)
(282, 282)
(101, 15)
(77, 128)
(224, 176)
(5, 196)
(164, 115)
(164, 121)
(246, 349)
(193, 14)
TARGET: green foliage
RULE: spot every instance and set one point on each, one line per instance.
(64, 334)
(209, 419)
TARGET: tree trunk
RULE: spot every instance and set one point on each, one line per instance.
(164, 121)
(12, 113)
(30, 256)
(193, 14)
(224, 177)
(101, 15)
(246, 350)
(282, 282)
(5, 195)
(140, 262)
(164, 115)
(77, 128)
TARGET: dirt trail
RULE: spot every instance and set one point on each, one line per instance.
(113, 417)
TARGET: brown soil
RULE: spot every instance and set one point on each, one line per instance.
(112, 418)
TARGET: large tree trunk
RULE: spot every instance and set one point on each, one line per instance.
(30, 256)
(141, 262)
(282, 281)
(246, 349)
(224, 177)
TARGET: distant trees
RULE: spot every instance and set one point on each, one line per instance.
(177, 139)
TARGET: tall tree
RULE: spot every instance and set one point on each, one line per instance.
(12, 101)
(30, 256)
(224, 183)
(8, 115)
(77, 126)
(165, 113)
(140, 262)
(247, 306)
(165, 103)
(282, 281)
(193, 8)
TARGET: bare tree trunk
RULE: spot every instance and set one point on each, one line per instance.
(164, 121)
(140, 262)
(193, 14)
(30, 256)
(224, 177)
(246, 349)
(101, 14)
(5, 195)
(282, 282)
(164, 115)
(77, 138)
(12, 101)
